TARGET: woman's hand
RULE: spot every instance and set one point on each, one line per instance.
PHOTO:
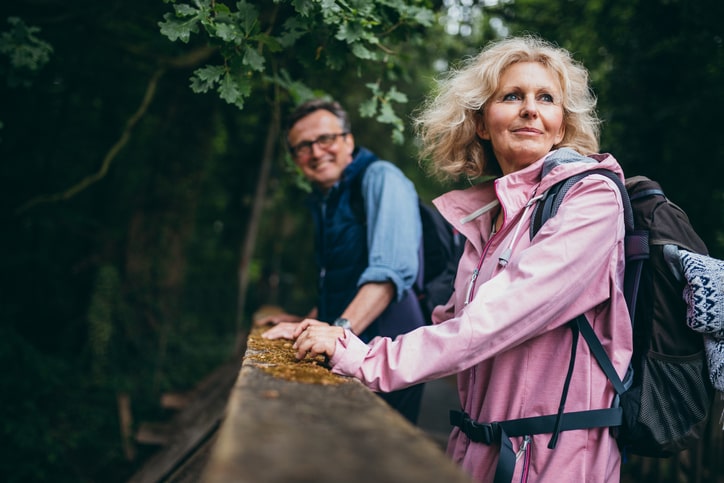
(314, 338)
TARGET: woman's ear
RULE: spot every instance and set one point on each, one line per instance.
(481, 131)
(561, 130)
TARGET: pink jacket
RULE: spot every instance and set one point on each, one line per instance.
(509, 344)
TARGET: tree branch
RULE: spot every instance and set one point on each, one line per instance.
(110, 155)
(190, 59)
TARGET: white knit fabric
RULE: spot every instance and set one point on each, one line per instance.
(704, 296)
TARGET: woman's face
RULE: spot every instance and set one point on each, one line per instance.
(524, 118)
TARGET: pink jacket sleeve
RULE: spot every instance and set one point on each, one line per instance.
(569, 270)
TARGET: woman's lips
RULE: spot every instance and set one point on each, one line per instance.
(528, 130)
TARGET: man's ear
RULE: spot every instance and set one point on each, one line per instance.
(349, 141)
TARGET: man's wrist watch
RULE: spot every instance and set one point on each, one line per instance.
(342, 322)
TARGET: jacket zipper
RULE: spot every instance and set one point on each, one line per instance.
(476, 272)
(505, 256)
(524, 452)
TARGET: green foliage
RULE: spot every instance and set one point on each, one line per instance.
(381, 104)
(25, 414)
(298, 91)
(261, 44)
(25, 52)
(101, 311)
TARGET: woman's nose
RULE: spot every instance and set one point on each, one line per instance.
(529, 108)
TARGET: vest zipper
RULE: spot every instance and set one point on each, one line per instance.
(323, 250)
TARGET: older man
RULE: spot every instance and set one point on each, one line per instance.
(367, 236)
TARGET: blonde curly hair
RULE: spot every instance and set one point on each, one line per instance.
(447, 122)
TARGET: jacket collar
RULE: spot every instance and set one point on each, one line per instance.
(470, 211)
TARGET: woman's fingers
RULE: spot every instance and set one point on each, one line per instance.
(315, 339)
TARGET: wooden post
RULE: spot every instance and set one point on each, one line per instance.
(278, 430)
(125, 419)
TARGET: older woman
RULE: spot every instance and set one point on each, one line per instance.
(521, 110)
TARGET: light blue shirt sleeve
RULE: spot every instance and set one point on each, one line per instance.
(394, 229)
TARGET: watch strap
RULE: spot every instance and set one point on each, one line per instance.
(342, 322)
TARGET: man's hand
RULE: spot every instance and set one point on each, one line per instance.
(314, 338)
(276, 319)
(286, 330)
(282, 330)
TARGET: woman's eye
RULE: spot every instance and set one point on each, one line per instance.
(546, 98)
(511, 97)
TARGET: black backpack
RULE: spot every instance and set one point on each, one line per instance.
(667, 394)
(441, 249)
(663, 403)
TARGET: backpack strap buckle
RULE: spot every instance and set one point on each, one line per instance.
(487, 433)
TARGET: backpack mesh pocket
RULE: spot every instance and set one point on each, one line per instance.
(674, 400)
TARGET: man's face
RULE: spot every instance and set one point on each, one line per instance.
(330, 151)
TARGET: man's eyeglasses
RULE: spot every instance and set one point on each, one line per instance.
(304, 149)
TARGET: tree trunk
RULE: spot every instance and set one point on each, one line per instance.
(247, 248)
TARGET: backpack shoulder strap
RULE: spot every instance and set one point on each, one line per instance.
(602, 358)
(548, 205)
(636, 247)
(546, 208)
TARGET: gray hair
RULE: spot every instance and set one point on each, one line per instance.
(305, 109)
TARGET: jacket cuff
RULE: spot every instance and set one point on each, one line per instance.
(348, 354)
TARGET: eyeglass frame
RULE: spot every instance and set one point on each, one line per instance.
(309, 145)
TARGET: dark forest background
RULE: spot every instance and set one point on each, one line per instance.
(144, 220)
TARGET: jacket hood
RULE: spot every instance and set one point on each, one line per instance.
(564, 163)
(470, 210)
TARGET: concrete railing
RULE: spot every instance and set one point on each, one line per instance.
(289, 421)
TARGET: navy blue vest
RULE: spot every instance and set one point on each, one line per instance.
(341, 252)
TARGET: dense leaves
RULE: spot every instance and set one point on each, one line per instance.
(256, 44)
(26, 52)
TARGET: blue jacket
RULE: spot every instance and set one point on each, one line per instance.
(381, 244)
